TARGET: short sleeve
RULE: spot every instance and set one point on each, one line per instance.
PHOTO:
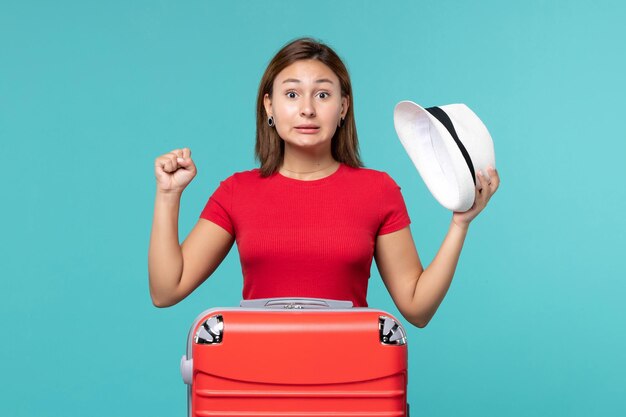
(219, 207)
(394, 215)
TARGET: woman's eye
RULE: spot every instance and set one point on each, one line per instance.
(323, 95)
(291, 94)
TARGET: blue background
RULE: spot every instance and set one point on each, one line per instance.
(92, 92)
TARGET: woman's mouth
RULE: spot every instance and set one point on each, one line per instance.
(307, 129)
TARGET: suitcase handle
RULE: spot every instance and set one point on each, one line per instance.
(295, 303)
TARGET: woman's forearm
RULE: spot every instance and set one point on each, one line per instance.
(165, 259)
(433, 283)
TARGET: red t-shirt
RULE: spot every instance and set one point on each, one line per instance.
(308, 238)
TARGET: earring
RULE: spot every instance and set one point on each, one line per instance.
(270, 121)
(341, 121)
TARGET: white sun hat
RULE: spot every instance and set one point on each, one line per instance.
(448, 145)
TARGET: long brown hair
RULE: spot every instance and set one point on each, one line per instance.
(270, 148)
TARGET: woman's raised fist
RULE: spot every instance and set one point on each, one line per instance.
(174, 170)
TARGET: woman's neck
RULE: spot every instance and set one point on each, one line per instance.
(310, 168)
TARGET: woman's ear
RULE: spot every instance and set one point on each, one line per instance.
(345, 103)
(267, 103)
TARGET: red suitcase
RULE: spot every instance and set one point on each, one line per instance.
(296, 357)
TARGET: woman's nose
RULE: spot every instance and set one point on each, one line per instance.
(308, 108)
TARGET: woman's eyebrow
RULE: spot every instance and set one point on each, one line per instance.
(295, 80)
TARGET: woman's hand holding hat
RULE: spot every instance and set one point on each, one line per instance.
(485, 188)
(174, 171)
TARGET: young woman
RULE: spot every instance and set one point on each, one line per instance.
(310, 220)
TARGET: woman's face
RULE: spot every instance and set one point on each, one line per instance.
(306, 104)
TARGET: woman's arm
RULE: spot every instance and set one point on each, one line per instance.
(417, 292)
(176, 270)
(165, 258)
